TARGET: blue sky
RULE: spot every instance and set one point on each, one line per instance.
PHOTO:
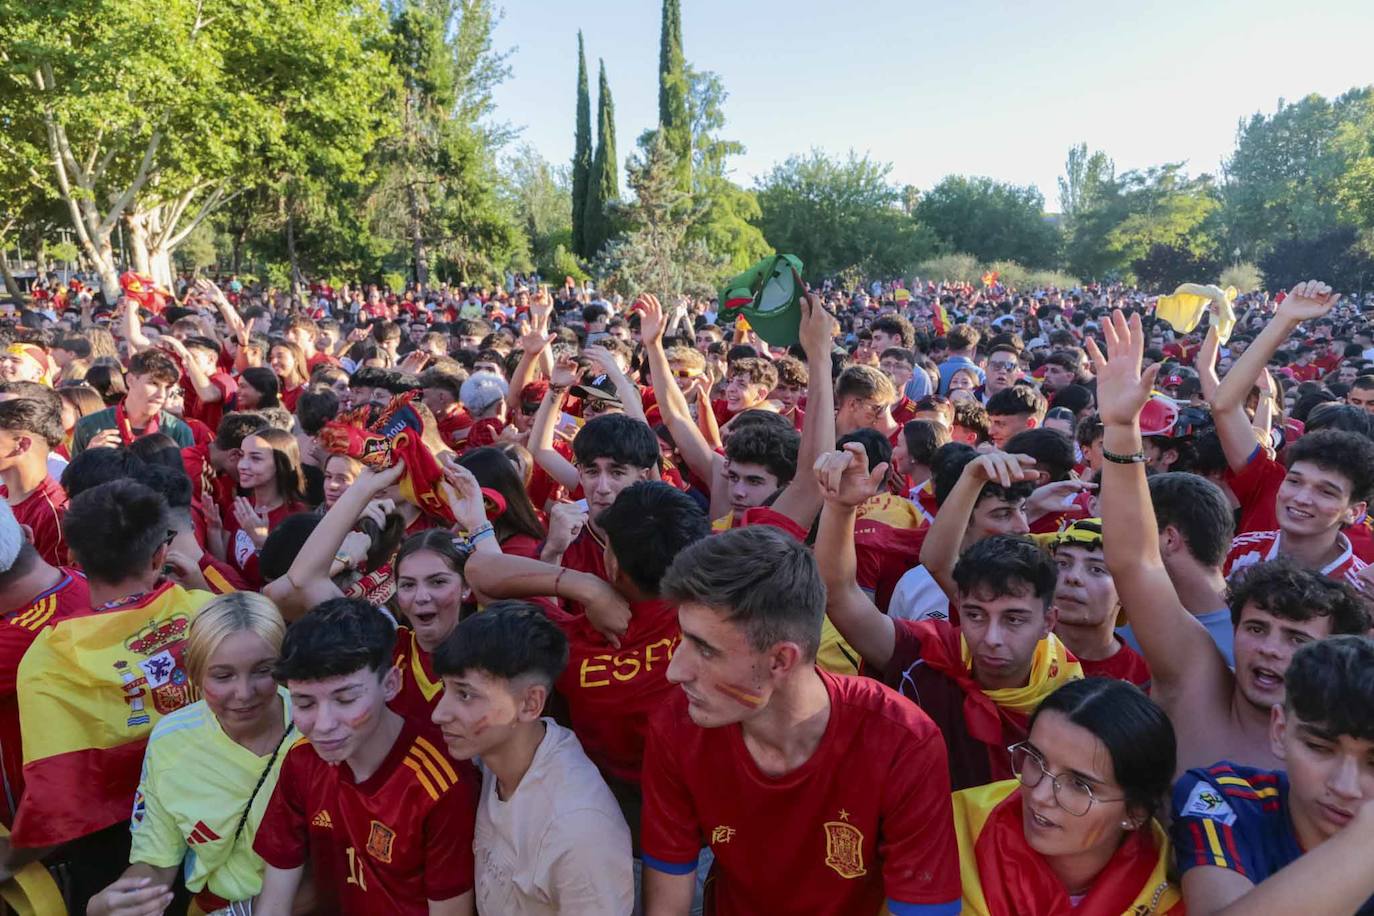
(976, 87)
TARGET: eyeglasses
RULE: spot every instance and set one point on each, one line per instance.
(1073, 795)
(529, 410)
(998, 366)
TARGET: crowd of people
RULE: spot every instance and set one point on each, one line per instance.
(515, 600)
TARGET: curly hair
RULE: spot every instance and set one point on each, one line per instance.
(1287, 590)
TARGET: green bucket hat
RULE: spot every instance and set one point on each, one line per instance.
(768, 296)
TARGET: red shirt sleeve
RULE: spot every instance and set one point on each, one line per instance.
(282, 837)
(668, 826)
(917, 846)
(906, 648)
(14, 642)
(1256, 486)
(448, 843)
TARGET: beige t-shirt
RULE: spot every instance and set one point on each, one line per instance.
(559, 844)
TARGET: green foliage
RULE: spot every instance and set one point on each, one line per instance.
(1085, 176)
(394, 282)
(1047, 279)
(839, 215)
(1164, 267)
(730, 213)
(1245, 277)
(674, 119)
(582, 154)
(539, 197)
(1285, 177)
(955, 268)
(198, 251)
(597, 224)
(656, 254)
(990, 220)
(564, 264)
(1010, 274)
(1336, 256)
(65, 251)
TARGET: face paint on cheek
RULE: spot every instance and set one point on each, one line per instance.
(480, 726)
(740, 695)
(359, 722)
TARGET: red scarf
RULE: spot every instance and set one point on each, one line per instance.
(126, 429)
(1015, 879)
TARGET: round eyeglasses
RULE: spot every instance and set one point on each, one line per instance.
(1070, 792)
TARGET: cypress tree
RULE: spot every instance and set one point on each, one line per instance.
(605, 181)
(582, 154)
(673, 117)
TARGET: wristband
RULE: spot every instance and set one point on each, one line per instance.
(344, 560)
(1133, 458)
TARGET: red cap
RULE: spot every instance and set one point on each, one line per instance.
(1158, 416)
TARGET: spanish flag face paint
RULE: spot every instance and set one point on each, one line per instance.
(740, 695)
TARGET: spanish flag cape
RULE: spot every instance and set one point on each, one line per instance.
(1003, 876)
(944, 649)
(90, 691)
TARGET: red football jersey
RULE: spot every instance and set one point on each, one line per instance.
(207, 412)
(611, 692)
(42, 512)
(1261, 546)
(385, 845)
(1257, 488)
(867, 818)
(1126, 664)
(421, 688)
(71, 597)
(587, 553)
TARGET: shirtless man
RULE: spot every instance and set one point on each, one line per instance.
(1277, 607)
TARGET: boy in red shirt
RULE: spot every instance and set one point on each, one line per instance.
(29, 427)
(371, 800)
(816, 793)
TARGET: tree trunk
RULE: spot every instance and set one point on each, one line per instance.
(296, 282)
(138, 241)
(419, 249)
(40, 257)
(11, 284)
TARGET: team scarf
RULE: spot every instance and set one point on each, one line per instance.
(90, 691)
(394, 436)
(126, 429)
(1003, 876)
(944, 648)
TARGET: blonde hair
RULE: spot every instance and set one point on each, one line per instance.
(226, 615)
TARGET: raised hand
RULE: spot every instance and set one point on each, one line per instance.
(466, 503)
(844, 476)
(817, 325)
(1001, 468)
(1307, 301)
(651, 320)
(251, 521)
(566, 373)
(1122, 389)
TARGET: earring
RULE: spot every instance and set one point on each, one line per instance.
(1127, 825)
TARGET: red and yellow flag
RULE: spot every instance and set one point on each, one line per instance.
(144, 291)
(1003, 876)
(395, 435)
(90, 691)
(939, 317)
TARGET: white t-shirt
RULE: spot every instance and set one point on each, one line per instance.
(559, 844)
(918, 596)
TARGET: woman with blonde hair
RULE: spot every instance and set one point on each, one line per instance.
(77, 401)
(210, 768)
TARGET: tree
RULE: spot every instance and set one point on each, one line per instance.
(438, 175)
(582, 153)
(656, 253)
(727, 224)
(1335, 256)
(840, 215)
(1163, 267)
(538, 194)
(674, 117)
(1283, 179)
(990, 220)
(1163, 206)
(156, 116)
(605, 183)
(1085, 176)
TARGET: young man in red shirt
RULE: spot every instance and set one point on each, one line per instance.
(816, 793)
(1297, 510)
(29, 427)
(980, 680)
(372, 801)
